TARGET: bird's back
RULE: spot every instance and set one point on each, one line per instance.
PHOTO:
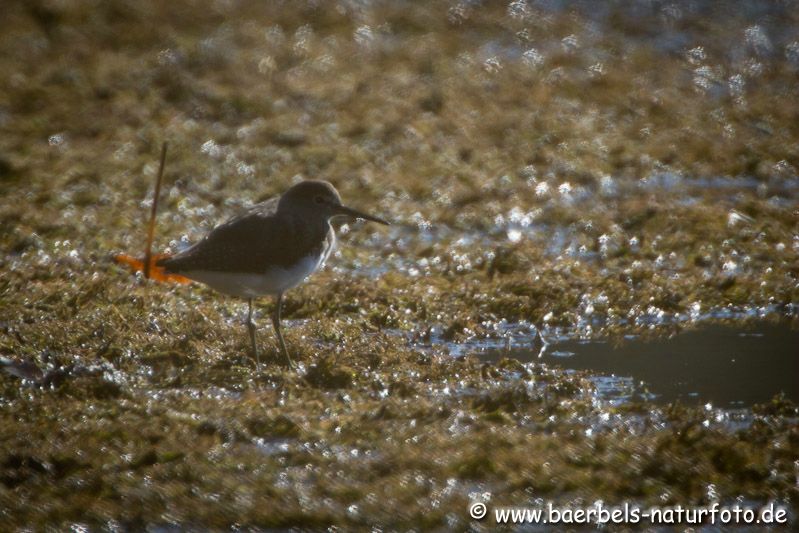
(253, 242)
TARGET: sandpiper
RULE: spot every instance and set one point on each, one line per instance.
(267, 250)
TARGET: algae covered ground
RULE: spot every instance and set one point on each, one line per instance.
(577, 169)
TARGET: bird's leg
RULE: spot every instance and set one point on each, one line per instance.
(251, 329)
(276, 323)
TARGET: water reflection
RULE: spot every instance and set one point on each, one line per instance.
(723, 365)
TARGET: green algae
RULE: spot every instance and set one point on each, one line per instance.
(154, 414)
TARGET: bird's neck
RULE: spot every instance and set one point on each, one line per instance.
(307, 224)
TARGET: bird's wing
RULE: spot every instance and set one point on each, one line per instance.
(248, 243)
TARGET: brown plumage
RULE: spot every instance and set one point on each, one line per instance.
(269, 249)
(253, 241)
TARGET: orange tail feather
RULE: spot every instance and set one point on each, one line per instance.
(157, 273)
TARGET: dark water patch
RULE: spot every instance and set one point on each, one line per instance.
(723, 365)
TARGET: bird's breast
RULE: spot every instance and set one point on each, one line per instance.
(284, 278)
(273, 280)
(278, 279)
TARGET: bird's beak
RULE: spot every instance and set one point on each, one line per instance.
(344, 210)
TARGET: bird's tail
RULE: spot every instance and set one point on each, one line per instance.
(155, 271)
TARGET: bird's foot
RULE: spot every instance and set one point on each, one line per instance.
(289, 363)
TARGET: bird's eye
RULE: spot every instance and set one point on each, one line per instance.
(319, 200)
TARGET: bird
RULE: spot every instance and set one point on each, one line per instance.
(267, 250)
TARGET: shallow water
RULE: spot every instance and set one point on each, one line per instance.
(723, 365)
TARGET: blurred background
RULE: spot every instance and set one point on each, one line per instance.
(581, 171)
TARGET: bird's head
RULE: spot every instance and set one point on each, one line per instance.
(321, 197)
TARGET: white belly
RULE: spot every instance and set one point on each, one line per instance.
(252, 285)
